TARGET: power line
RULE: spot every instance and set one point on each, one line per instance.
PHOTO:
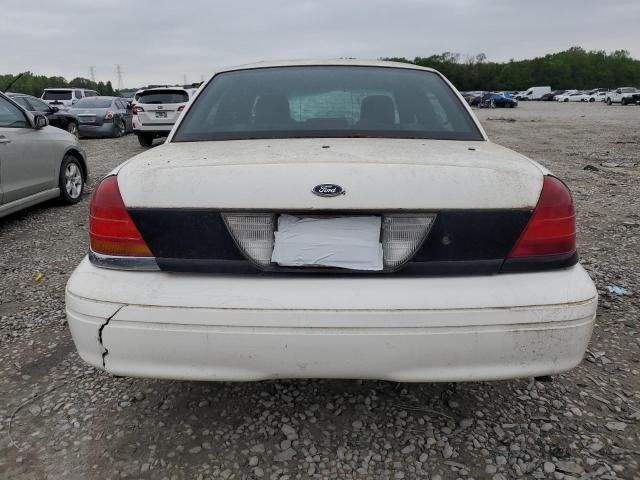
(119, 73)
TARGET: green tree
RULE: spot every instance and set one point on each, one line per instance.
(572, 68)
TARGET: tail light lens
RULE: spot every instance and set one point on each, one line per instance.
(402, 235)
(108, 115)
(180, 108)
(137, 109)
(551, 230)
(254, 234)
(111, 230)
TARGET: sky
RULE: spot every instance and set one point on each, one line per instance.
(159, 41)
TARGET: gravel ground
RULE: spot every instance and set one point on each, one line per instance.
(62, 419)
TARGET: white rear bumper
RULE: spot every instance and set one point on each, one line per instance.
(251, 327)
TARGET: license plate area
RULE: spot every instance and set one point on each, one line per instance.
(349, 242)
(161, 114)
(309, 242)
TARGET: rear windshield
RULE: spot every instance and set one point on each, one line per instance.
(332, 101)
(93, 102)
(57, 95)
(163, 96)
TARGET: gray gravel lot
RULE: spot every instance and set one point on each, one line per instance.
(62, 419)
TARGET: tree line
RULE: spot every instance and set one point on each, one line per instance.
(35, 84)
(572, 68)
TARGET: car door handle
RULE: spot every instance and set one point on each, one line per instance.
(4, 140)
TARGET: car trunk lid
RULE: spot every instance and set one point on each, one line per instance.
(91, 116)
(376, 174)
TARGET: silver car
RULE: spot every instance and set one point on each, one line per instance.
(103, 116)
(37, 162)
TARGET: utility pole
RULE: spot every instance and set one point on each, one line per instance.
(92, 73)
(184, 79)
(119, 73)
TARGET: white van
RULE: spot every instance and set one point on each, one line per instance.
(534, 93)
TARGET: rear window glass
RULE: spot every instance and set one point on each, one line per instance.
(93, 102)
(327, 101)
(163, 96)
(57, 95)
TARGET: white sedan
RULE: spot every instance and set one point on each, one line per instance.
(571, 97)
(338, 219)
(595, 97)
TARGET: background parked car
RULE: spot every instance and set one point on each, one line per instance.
(156, 110)
(39, 162)
(103, 117)
(547, 97)
(474, 99)
(57, 118)
(64, 98)
(595, 97)
(570, 97)
(495, 100)
(622, 95)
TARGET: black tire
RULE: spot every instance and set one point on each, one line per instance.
(566, 99)
(71, 180)
(145, 140)
(118, 128)
(72, 128)
(591, 100)
(623, 101)
(608, 101)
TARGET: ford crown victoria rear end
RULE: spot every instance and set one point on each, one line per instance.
(331, 220)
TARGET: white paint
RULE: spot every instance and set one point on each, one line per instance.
(235, 327)
(376, 173)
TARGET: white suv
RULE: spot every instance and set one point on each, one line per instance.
(156, 110)
(63, 98)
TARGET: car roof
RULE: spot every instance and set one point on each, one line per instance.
(102, 96)
(71, 88)
(329, 62)
(163, 87)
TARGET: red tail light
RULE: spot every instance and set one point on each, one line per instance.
(108, 115)
(552, 227)
(137, 109)
(111, 230)
(180, 108)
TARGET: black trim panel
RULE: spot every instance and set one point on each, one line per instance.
(186, 234)
(460, 243)
(472, 235)
(479, 267)
(537, 264)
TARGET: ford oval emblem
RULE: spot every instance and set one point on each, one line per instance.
(328, 190)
